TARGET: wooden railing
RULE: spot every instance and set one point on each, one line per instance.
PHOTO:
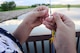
(42, 38)
(78, 42)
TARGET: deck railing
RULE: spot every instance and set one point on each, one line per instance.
(42, 38)
(78, 42)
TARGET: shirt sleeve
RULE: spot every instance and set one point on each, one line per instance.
(7, 50)
(8, 43)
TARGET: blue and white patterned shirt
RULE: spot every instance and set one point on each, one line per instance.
(8, 44)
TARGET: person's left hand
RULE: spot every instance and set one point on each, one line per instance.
(32, 19)
(35, 17)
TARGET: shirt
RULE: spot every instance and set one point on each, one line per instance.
(9, 44)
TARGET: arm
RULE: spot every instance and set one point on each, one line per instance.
(32, 20)
(22, 32)
(65, 40)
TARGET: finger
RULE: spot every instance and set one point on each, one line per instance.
(67, 20)
(46, 22)
(64, 17)
(57, 19)
(49, 19)
(40, 8)
(49, 25)
(41, 11)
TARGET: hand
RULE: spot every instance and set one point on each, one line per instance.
(35, 17)
(64, 31)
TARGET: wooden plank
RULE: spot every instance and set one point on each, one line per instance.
(27, 47)
(39, 38)
(77, 45)
(50, 50)
(42, 46)
(77, 34)
(35, 48)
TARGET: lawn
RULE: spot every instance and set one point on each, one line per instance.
(22, 7)
(53, 6)
(65, 6)
(77, 6)
(18, 8)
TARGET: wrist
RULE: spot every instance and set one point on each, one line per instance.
(28, 25)
(67, 46)
(22, 32)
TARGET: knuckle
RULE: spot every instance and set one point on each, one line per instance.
(34, 13)
(72, 23)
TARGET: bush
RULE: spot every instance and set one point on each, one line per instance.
(33, 5)
(5, 6)
(12, 5)
(8, 6)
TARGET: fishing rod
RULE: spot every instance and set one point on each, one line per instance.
(52, 32)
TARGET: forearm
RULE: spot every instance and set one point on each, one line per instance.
(22, 32)
(68, 45)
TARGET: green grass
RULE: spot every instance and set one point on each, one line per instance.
(59, 6)
(53, 6)
(65, 6)
(21, 7)
(77, 6)
(18, 8)
(0, 9)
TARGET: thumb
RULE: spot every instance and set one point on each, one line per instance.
(58, 19)
(41, 13)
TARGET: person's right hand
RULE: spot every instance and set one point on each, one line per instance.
(64, 31)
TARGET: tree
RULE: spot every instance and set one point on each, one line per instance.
(34, 5)
(8, 6)
(12, 5)
(43, 4)
(5, 6)
(68, 6)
